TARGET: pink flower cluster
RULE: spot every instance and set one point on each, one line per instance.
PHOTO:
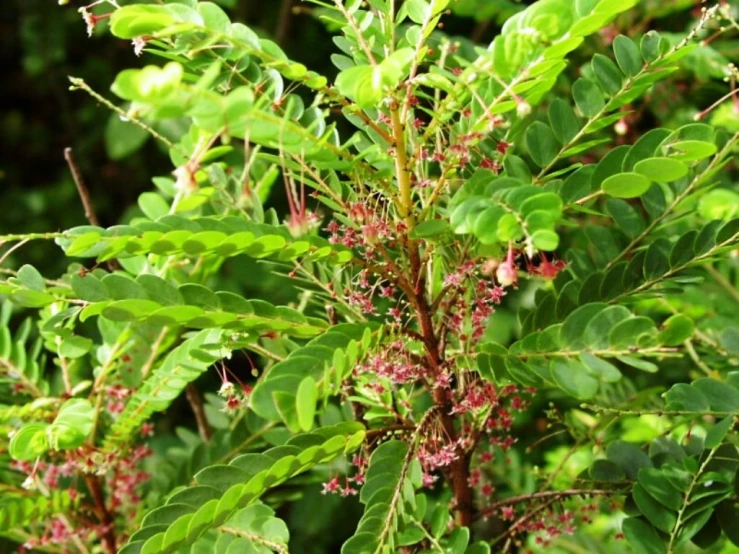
(392, 362)
(334, 486)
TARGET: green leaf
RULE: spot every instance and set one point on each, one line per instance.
(685, 397)
(719, 204)
(430, 229)
(626, 217)
(74, 347)
(72, 424)
(660, 488)
(627, 55)
(541, 142)
(662, 519)
(182, 365)
(563, 121)
(628, 457)
(626, 185)
(728, 514)
(608, 75)
(123, 138)
(638, 363)
(574, 378)
(153, 205)
(418, 10)
(676, 330)
(606, 371)
(31, 279)
(642, 537)
(717, 433)
(662, 169)
(649, 46)
(605, 470)
(721, 396)
(138, 20)
(305, 403)
(690, 150)
(29, 442)
(545, 240)
(132, 309)
(588, 97)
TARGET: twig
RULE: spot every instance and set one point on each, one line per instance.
(196, 403)
(694, 356)
(687, 500)
(13, 249)
(276, 547)
(78, 83)
(283, 21)
(84, 193)
(716, 160)
(81, 188)
(146, 368)
(519, 523)
(723, 282)
(617, 411)
(548, 494)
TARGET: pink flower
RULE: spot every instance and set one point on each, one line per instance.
(331, 486)
(507, 273)
(428, 480)
(139, 43)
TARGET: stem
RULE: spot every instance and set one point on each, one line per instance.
(458, 472)
(196, 403)
(357, 31)
(429, 537)
(723, 282)
(78, 83)
(81, 188)
(686, 500)
(146, 368)
(13, 249)
(105, 517)
(694, 356)
(618, 411)
(27, 383)
(674, 271)
(84, 194)
(277, 547)
(549, 494)
(401, 168)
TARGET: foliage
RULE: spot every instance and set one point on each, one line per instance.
(480, 244)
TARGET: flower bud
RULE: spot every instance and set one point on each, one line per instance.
(523, 108)
(506, 274)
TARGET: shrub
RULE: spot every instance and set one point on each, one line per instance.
(433, 189)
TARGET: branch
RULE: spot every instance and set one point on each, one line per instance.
(84, 193)
(617, 411)
(81, 188)
(548, 494)
(196, 403)
(104, 515)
